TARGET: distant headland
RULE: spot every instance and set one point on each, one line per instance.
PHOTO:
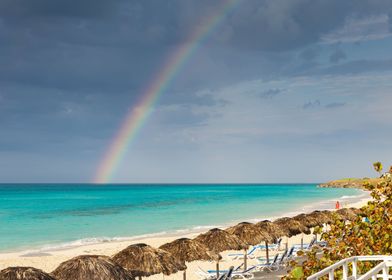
(350, 183)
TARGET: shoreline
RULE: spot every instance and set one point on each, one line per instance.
(346, 201)
(48, 259)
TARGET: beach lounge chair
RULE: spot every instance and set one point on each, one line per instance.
(276, 264)
(250, 254)
(306, 246)
(272, 247)
(263, 265)
(263, 260)
(227, 275)
(212, 271)
(247, 274)
(290, 254)
(204, 274)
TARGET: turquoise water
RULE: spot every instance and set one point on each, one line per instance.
(37, 215)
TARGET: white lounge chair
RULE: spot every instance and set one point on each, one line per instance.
(272, 247)
(276, 264)
(224, 271)
(205, 275)
(227, 275)
(306, 246)
(247, 274)
(250, 254)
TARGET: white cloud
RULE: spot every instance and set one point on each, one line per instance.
(357, 30)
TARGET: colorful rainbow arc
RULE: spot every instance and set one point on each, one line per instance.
(138, 115)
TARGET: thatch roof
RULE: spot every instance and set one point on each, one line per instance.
(218, 240)
(274, 230)
(291, 226)
(188, 250)
(24, 273)
(347, 213)
(308, 220)
(323, 216)
(91, 267)
(144, 260)
(249, 233)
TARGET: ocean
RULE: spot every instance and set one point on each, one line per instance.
(51, 216)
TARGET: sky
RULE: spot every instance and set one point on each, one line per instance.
(281, 91)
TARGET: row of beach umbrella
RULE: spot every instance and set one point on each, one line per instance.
(141, 260)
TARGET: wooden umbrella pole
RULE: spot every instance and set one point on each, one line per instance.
(140, 278)
(184, 274)
(302, 241)
(287, 243)
(217, 269)
(267, 251)
(245, 260)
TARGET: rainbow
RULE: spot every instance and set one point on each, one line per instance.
(172, 66)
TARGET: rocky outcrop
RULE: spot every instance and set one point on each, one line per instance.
(349, 183)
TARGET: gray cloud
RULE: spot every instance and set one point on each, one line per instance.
(292, 24)
(390, 21)
(55, 8)
(335, 105)
(337, 56)
(66, 46)
(71, 71)
(310, 54)
(357, 67)
(311, 105)
(268, 94)
(181, 116)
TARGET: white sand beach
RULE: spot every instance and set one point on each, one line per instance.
(48, 260)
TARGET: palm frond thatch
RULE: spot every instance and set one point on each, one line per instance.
(91, 267)
(274, 230)
(249, 233)
(144, 260)
(324, 217)
(218, 240)
(24, 273)
(349, 214)
(188, 250)
(308, 220)
(291, 226)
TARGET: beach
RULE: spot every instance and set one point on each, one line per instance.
(49, 259)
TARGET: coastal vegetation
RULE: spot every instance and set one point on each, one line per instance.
(369, 234)
(358, 183)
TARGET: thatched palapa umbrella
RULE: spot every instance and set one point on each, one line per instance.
(273, 230)
(250, 234)
(143, 260)
(188, 250)
(311, 220)
(306, 220)
(291, 226)
(24, 273)
(218, 240)
(91, 267)
(323, 217)
(347, 213)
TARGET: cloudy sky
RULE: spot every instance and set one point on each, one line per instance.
(281, 91)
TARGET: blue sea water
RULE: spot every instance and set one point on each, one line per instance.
(38, 215)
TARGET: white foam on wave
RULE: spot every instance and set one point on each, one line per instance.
(350, 196)
(93, 241)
